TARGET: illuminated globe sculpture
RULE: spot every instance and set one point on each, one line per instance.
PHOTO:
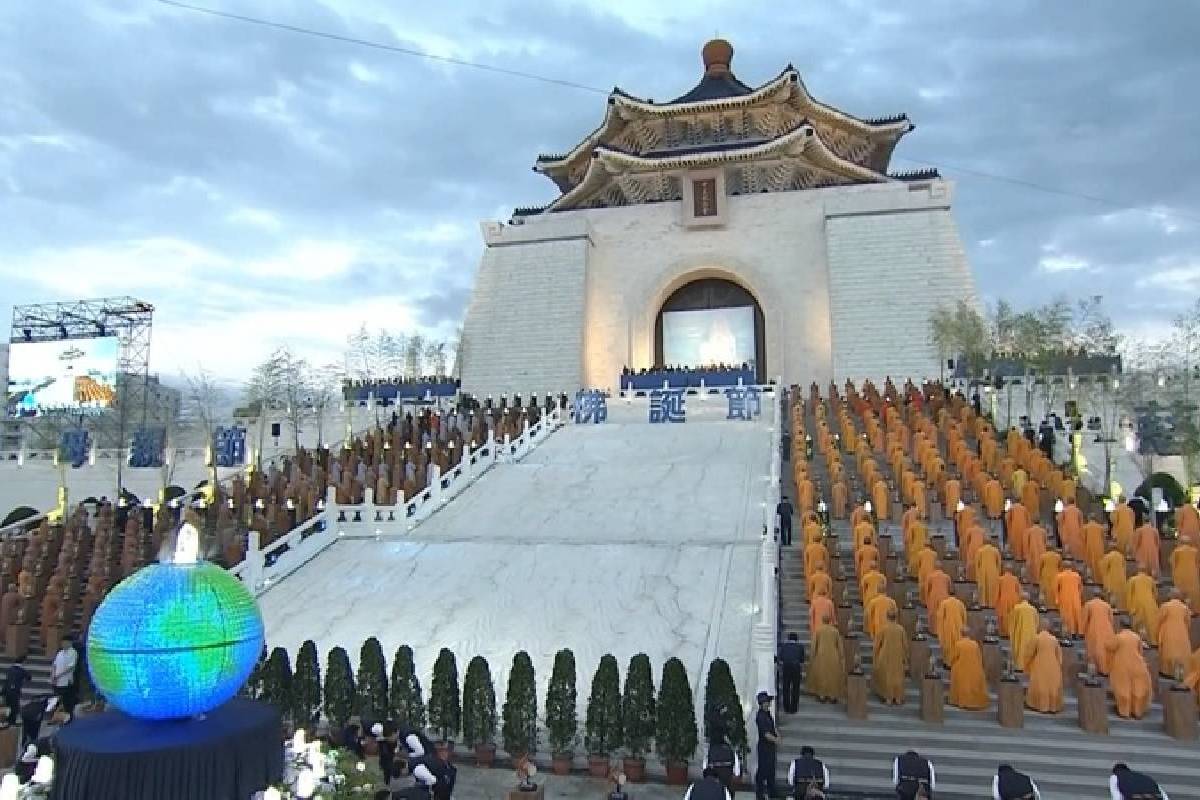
(175, 639)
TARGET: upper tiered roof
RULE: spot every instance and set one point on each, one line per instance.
(771, 138)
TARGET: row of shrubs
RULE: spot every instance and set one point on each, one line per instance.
(627, 721)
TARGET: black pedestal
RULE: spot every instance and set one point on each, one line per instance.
(235, 751)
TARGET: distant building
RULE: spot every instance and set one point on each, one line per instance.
(763, 204)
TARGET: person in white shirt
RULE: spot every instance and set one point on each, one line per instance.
(1008, 784)
(1125, 784)
(62, 674)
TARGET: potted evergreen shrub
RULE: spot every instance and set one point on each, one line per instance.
(306, 688)
(520, 709)
(603, 727)
(445, 707)
(372, 683)
(254, 684)
(637, 716)
(675, 735)
(562, 723)
(277, 681)
(723, 709)
(339, 692)
(408, 707)
(479, 711)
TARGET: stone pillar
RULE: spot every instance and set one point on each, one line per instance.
(17, 640)
(898, 590)
(938, 543)
(977, 617)
(1071, 665)
(965, 591)
(850, 651)
(1010, 705)
(890, 567)
(1093, 707)
(884, 543)
(856, 695)
(907, 615)
(918, 656)
(933, 700)
(844, 613)
(1152, 663)
(991, 660)
(1179, 713)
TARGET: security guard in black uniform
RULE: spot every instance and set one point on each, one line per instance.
(808, 776)
(722, 759)
(791, 662)
(768, 744)
(913, 776)
(707, 788)
(1012, 785)
(1126, 784)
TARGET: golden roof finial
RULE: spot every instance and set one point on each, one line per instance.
(717, 55)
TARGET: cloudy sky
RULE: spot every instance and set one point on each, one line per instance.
(262, 187)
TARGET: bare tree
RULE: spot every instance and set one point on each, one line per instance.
(325, 388)
(413, 356)
(263, 392)
(294, 390)
(204, 403)
(435, 357)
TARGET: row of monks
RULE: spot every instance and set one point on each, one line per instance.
(878, 427)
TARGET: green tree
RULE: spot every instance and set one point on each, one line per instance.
(520, 708)
(603, 728)
(479, 704)
(339, 687)
(277, 681)
(372, 681)
(405, 695)
(562, 722)
(723, 707)
(306, 686)
(445, 707)
(675, 733)
(637, 706)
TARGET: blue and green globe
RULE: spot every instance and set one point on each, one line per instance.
(174, 640)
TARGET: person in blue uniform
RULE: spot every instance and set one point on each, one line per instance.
(768, 746)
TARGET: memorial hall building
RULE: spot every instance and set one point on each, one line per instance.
(733, 224)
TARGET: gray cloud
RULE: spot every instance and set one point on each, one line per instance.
(263, 186)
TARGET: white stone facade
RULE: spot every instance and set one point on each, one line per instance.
(846, 278)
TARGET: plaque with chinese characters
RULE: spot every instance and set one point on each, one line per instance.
(704, 197)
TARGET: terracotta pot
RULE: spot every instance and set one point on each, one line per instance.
(485, 755)
(445, 750)
(561, 763)
(634, 768)
(677, 773)
(598, 766)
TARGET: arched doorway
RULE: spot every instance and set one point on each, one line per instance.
(710, 320)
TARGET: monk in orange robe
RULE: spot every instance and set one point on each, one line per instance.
(916, 539)
(935, 588)
(1093, 545)
(925, 561)
(968, 683)
(1112, 576)
(820, 608)
(953, 493)
(871, 585)
(1044, 667)
(839, 498)
(1070, 529)
(1185, 573)
(889, 665)
(1122, 519)
(881, 499)
(949, 623)
(867, 554)
(819, 581)
(1024, 622)
(1047, 574)
(813, 533)
(1129, 677)
(1174, 642)
(1187, 524)
(1035, 548)
(1068, 594)
(875, 614)
(1031, 498)
(1018, 523)
(863, 532)
(1145, 549)
(1007, 596)
(1098, 631)
(993, 498)
(816, 558)
(987, 574)
(1141, 596)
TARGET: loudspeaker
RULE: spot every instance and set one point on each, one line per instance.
(275, 429)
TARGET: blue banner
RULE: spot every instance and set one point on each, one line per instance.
(229, 446)
(688, 379)
(405, 391)
(73, 447)
(149, 446)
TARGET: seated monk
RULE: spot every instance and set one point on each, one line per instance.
(1044, 667)
(1173, 634)
(889, 663)
(968, 683)
(1129, 678)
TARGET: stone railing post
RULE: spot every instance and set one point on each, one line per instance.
(435, 482)
(332, 510)
(252, 573)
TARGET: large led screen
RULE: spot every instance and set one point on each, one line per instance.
(69, 374)
(708, 337)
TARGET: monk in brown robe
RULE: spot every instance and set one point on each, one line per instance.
(889, 663)
(1068, 593)
(968, 683)
(1173, 636)
(1129, 677)
(1098, 631)
(827, 669)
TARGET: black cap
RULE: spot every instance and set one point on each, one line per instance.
(765, 697)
